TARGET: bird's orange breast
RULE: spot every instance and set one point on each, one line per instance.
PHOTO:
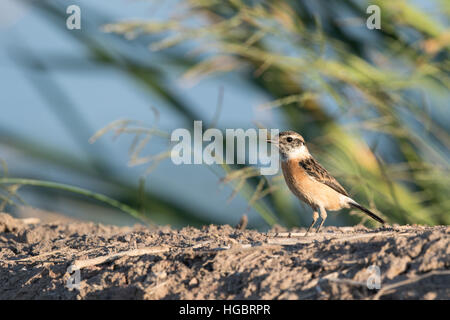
(309, 190)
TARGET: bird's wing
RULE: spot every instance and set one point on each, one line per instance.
(320, 174)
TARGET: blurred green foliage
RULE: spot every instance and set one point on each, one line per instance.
(367, 101)
(310, 58)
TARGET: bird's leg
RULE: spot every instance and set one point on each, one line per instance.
(323, 215)
(315, 217)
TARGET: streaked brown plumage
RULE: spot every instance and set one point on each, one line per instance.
(311, 182)
(314, 169)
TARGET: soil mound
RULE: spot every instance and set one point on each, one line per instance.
(78, 260)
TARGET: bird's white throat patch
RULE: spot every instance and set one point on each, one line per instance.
(297, 153)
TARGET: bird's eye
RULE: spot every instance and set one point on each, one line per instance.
(289, 139)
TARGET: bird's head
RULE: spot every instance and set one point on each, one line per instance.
(291, 145)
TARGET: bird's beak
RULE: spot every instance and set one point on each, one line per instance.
(275, 142)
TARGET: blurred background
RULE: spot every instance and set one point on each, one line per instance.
(86, 114)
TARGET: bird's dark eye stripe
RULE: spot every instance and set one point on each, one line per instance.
(289, 139)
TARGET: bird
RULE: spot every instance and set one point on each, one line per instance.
(310, 182)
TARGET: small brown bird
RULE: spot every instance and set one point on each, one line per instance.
(311, 182)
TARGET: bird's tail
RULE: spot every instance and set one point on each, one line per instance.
(366, 211)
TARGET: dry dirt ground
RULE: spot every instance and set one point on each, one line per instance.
(220, 262)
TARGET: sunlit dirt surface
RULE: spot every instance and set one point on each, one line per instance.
(220, 262)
